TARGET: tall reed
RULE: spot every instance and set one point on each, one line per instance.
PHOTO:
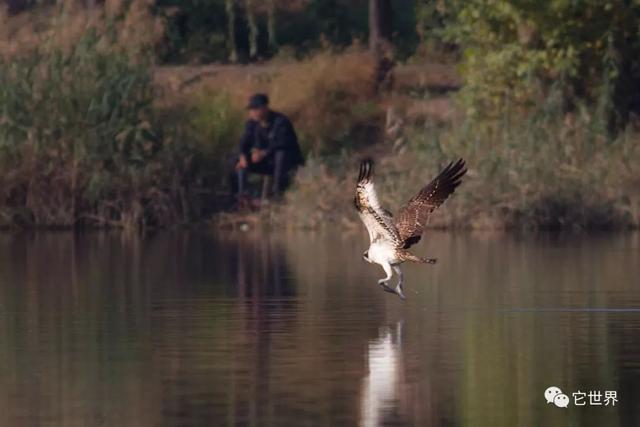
(80, 142)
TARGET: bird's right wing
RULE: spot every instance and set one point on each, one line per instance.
(378, 221)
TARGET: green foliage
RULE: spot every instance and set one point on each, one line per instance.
(216, 124)
(197, 31)
(79, 142)
(535, 173)
(47, 97)
(516, 52)
(543, 171)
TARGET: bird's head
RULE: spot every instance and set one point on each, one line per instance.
(365, 256)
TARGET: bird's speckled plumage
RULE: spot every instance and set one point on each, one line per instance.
(391, 237)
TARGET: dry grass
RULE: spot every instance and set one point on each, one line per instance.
(329, 96)
(124, 26)
(536, 170)
(552, 176)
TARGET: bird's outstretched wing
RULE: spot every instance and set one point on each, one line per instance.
(378, 221)
(413, 217)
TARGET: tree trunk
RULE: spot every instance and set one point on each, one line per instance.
(271, 25)
(380, 43)
(231, 30)
(253, 30)
(380, 26)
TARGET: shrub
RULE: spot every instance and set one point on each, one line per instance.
(216, 123)
(331, 99)
(79, 143)
(543, 172)
(516, 53)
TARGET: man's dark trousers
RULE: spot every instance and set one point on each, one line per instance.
(277, 165)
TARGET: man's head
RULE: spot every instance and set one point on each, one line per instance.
(258, 107)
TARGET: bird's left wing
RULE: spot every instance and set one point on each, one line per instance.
(378, 221)
(413, 217)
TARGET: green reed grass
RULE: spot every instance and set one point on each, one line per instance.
(80, 143)
(540, 169)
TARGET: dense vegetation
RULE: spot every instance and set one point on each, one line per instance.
(79, 143)
(89, 135)
(518, 53)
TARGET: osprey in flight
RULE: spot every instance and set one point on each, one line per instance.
(392, 237)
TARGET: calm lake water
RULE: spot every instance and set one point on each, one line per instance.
(197, 329)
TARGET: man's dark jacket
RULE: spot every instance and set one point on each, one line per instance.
(278, 135)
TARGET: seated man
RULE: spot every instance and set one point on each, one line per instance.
(269, 146)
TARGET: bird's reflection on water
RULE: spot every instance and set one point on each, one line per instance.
(381, 387)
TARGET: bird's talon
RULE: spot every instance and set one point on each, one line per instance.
(386, 288)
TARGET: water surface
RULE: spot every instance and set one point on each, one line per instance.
(197, 329)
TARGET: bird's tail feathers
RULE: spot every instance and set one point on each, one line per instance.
(411, 257)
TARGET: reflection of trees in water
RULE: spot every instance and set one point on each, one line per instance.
(544, 333)
(226, 356)
(189, 330)
(68, 308)
(261, 269)
(171, 329)
(264, 287)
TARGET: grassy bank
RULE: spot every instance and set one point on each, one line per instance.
(537, 167)
(89, 137)
(92, 133)
(515, 181)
